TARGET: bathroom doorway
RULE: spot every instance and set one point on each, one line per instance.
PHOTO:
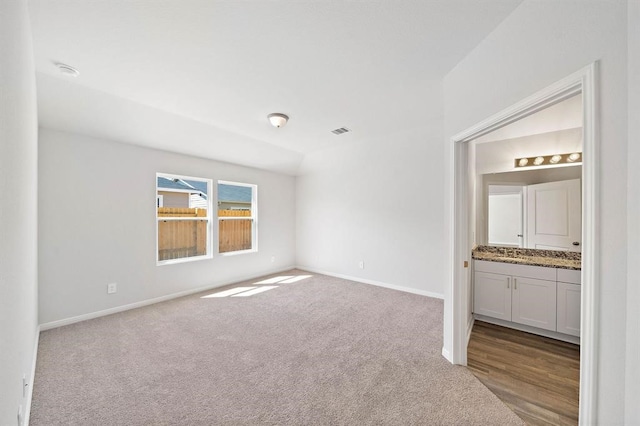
(581, 82)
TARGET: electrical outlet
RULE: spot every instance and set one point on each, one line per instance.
(361, 264)
(273, 259)
(112, 288)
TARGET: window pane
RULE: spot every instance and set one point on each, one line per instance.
(234, 197)
(235, 235)
(235, 202)
(178, 239)
(178, 198)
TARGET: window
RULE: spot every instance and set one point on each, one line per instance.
(183, 215)
(237, 217)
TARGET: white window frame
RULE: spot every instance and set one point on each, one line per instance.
(209, 219)
(253, 217)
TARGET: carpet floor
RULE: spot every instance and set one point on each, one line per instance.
(293, 349)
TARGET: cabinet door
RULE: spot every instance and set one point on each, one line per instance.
(492, 295)
(534, 302)
(569, 309)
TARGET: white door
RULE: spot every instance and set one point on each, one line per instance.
(534, 302)
(554, 216)
(492, 295)
(504, 212)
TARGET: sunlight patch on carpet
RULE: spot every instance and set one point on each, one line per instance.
(229, 292)
(255, 291)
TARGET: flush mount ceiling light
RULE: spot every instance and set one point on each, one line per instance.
(67, 69)
(277, 119)
(549, 160)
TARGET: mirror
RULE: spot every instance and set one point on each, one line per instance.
(522, 207)
(532, 209)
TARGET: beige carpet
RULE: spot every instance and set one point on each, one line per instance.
(308, 351)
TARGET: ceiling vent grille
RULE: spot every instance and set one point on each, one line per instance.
(340, 131)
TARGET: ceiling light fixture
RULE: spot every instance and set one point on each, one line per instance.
(277, 119)
(549, 160)
(67, 69)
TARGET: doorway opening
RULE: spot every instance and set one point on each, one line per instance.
(582, 82)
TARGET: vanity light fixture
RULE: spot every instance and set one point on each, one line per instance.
(277, 119)
(549, 160)
(574, 157)
(555, 159)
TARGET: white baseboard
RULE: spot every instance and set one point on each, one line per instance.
(472, 320)
(27, 405)
(115, 310)
(447, 355)
(372, 282)
(533, 330)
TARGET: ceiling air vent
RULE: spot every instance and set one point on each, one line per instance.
(340, 131)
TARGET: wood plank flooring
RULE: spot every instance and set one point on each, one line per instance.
(537, 377)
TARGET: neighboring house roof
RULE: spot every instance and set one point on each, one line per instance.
(226, 193)
(183, 185)
(199, 185)
(234, 193)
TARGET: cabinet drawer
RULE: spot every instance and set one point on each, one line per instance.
(537, 272)
(570, 276)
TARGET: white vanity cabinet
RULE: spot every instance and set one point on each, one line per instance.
(492, 295)
(533, 302)
(568, 294)
(518, 293)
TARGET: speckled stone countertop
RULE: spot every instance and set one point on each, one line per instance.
(533, 257)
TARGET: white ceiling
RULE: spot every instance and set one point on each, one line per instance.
(200, 77)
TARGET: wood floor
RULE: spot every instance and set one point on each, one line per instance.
(536, 377)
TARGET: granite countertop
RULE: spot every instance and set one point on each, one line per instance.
(533, 257)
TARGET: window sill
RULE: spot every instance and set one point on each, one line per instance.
(235, 253)
(183, 260)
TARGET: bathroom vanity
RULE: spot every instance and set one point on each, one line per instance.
(537, 291)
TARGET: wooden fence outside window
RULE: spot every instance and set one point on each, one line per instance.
(187, 238)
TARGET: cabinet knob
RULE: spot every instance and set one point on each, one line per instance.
(575, 243)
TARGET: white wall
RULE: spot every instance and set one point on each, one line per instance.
(632, 372)
(97, 225)
(379, 201)
(538, 44)
(499, 156)
(18, 208)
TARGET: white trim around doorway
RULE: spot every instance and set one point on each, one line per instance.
(583, 81)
